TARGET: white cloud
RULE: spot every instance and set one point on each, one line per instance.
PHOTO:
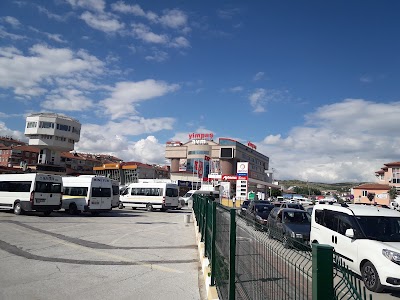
(67, 100)
(143, 33)
(94, 5)
(25, 73)
(257, 99)
(11, 20)
(12, 36)
(103, 22)
(54, 16)
(126, 94)
(112, 138)
(135, 9)
(258, 76)
(345, 141)
(158, 56)
(174, 18)
(15, 134)
(180, 42)
(51, 36)
(236, 89)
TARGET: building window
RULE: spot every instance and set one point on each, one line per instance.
(46, 125)
(31, 124)
(63, 127)
(364, 193)
(199, 152)
(396, 175)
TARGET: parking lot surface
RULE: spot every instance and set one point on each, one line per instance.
(123, 254)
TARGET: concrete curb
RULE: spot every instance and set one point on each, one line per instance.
(205, 264)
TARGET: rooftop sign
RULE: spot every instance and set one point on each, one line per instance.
(201, 136)
(251, 145)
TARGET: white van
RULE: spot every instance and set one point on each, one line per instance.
(30, 192)
(367, 238)
(150, 195)
(115, 193)
(189, 194)
(87, 193)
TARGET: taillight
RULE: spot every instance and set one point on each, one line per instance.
(32, 197)
(163, 200)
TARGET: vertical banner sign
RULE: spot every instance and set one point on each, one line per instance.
(200, 169)
(182, 164)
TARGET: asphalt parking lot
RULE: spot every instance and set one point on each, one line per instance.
(123, 254)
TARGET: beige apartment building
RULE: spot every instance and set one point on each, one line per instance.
(202, 160)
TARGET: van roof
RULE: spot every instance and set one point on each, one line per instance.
(361, 210)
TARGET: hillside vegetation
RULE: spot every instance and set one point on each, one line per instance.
(340, 187)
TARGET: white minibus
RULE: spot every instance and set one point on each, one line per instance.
(150, 195)
(86, 193)
(115, 193)
(30, 192)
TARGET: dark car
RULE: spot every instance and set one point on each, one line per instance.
(257, 213)
(292, 205)
(309, 209)
(244, 206)
(291, 226)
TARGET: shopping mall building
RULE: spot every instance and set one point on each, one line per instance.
(238, 167)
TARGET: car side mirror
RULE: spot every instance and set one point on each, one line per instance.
(349, 233)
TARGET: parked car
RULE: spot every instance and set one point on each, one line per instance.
(291, 226)
(243, 207)
(309, 209)
(257, 213)
(367, 238)
(292, 205)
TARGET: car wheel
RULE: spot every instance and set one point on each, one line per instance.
(149, 207)
(73, 209)
(371, 278)
(120, 206)
(17, 209)
(133, 208)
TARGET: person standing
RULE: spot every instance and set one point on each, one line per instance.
(234, 201)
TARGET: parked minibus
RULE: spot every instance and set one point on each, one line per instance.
(30, 192)
(87, 193)
(150, 195)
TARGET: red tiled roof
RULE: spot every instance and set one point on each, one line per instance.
(380, 172)
(395, 164)
(372, 186)
(27, 148)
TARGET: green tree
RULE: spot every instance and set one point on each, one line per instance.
(276, 192)
(393, 193)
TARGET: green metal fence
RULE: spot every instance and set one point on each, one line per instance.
(250, 262)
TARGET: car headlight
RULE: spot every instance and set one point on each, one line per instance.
(296, 235)
(391, 255)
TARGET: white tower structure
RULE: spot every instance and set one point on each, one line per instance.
(53, 134)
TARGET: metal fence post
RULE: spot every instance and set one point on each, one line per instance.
(322, 272)
(213, 236)
(232, 255)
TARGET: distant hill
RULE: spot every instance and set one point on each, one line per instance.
(340, 187)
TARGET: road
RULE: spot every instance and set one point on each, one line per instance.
(123, 254)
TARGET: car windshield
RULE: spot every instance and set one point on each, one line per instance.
(188, 195)
(384, 229)
(296, 217)
(263, 208)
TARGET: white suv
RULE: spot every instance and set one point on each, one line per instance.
(366, 237)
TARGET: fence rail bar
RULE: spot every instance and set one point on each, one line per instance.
(232, 254)
(213, 236)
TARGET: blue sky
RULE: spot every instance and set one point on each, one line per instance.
(314, 84)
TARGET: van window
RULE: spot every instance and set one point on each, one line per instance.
(47, 187)
(171, 192)
(115, 190)
(101, 192)
(76, 191)
(15, 186)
